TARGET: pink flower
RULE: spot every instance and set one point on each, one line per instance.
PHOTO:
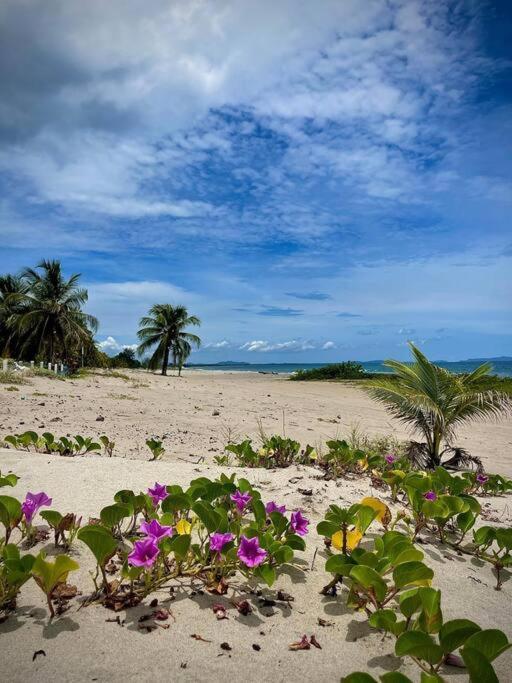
(218, 541)
(273, 507)
(430, 495)
(250, 553)
(299, 523)
(482, 478)
(144, 553)
(32, 503)
(240, 500)
(158, 493)
(155, 530)
(390, 458)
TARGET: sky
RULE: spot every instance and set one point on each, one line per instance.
(317, 181)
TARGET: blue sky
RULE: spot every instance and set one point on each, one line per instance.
(315, 180)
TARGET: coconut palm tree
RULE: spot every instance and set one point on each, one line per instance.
(12, 292)
(50, 320)
(435, 402)
(165, 327)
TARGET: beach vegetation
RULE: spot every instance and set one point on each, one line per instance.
(434, 402)
(156, 447)
(335, 371)
(275, 451)
(165, 328)
(48, 443)
(43, 316)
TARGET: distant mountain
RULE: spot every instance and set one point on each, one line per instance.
(497, 359)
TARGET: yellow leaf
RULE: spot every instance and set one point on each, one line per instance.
(353, 539)
(313, 455)
(363, 464)
(183, 527)
(383, 512)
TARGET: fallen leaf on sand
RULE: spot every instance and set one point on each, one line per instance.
(38, 652)
(315, 642)
(302, 644)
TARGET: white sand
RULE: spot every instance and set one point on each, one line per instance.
(83, 646)
(181, 411)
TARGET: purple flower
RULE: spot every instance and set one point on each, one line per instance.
(240, 500)
(390, 458)
(430, 495)
(144, 553)
(273, 507)
(482, 478)
(155, 530)
(250, 553)
(32, 503)
(158, 493)
(218, 541)
(299, 523)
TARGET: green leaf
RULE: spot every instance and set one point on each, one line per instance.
(490, 643)
(53, 517)
(283, 554)
(207, 515)
(100, 541)
(454, 633)
(328, 529)
(431, 617)
(268, 574)
(418, 644)
(369, 579)
(175, 502)
(412, 574)
(8, 480)
(385, 619)
(395, 677)
(295, 542)
(479, 668)
(49, 574)
(466, 520)
(410, 602)
(10, 511)
(358, 677)
(340, 564)
(112, 514)
(180, 545)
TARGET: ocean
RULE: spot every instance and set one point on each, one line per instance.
(503, 368)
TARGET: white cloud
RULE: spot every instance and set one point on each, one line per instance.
(266, 346)
(224, 344)
(329, 345)
(111, 345)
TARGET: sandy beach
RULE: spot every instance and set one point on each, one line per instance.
(197, 414)
(88, 644)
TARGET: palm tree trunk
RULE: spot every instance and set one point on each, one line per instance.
(165, 361)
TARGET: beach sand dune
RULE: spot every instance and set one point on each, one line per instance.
(197, 414)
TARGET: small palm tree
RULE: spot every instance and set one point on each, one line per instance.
(435, 402)
(50, 320)
(165, 327)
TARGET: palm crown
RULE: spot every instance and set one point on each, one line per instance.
(164, 328)
(48, 316)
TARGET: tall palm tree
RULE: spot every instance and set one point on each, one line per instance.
(165, 327)
(435, 402)
(51, 321)
(12, 292)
